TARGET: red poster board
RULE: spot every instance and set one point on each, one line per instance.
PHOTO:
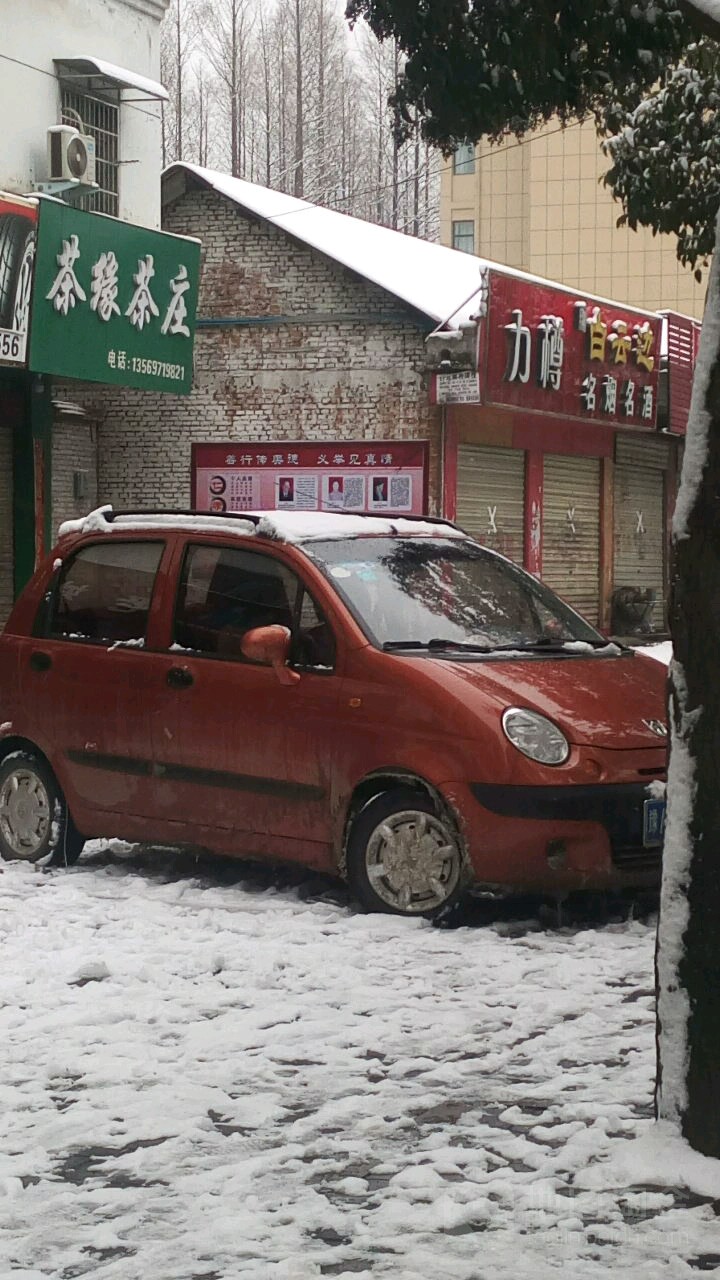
(383, 476)
(552, 351)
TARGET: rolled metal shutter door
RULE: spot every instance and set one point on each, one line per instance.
(491, 497)
(571, 531)
(639, 534)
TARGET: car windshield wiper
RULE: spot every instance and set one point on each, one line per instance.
(389, 645)
(481, 646)
(548, 644)
(438, 645)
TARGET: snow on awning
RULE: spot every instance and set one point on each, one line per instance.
(105, 75)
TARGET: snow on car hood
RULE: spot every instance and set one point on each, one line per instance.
(603, 702)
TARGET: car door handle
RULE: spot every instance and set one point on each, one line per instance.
(179, 677)
(40, 661)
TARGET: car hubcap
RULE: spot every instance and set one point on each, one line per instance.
(24, 813)
(413, 861)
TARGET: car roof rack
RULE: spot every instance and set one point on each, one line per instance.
(254, 518)
(133, 512)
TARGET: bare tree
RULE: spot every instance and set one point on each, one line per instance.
(299, 182)
(282, 93)
(321, 105)
(228, 26)
(200, 110)
(177, 42)
(265, 63)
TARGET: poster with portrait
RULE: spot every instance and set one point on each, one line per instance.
(387, 477)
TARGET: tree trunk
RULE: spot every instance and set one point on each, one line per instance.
(299, 184)
(322, 195)
(282, 122)
(234, 124)
(267, 100)
(379, 166)
(179, 53)
(204, 124)
(345, 163)
(416, 183)
(688, 956)
(426, 194)
(395, 143)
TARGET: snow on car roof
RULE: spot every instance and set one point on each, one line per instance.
(284, 526)
(299, 526)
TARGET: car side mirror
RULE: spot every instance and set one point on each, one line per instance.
(270, 645)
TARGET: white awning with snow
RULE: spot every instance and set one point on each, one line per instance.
(105, 75)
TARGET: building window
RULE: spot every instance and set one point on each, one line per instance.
(100, 119)
(464, 158)
(463, 236)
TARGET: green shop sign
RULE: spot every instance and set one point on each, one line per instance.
(112, 302)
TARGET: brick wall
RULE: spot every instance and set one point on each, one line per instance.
(357, 375)
(74, 449)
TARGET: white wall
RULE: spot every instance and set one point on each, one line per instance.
(125, 32)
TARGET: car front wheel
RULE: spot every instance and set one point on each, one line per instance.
(35, 825)
(403, 856)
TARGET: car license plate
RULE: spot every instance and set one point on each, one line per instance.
(653, 822)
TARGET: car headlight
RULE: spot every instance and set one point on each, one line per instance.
(535, 736)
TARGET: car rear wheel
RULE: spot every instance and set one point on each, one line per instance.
(35, 825)
(404, 856)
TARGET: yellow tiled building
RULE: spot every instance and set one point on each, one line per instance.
(541, 206)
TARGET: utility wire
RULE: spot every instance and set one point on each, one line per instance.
(389, 186)
(54, 75)
(356, 195)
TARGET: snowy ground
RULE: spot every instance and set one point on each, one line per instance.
(211, 1072)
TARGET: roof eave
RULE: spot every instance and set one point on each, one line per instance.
(178, 179)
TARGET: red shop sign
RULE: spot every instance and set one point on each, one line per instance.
(551, 351)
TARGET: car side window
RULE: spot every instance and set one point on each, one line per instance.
(104, 592)
(313, 639)
(224, 592)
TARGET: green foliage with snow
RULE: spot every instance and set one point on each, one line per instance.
(665, 154)
(504, 67)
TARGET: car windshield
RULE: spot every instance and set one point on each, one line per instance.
(446, 593)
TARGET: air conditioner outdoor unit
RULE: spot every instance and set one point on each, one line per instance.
(71, 155)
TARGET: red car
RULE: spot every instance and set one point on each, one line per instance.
(383, 698)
